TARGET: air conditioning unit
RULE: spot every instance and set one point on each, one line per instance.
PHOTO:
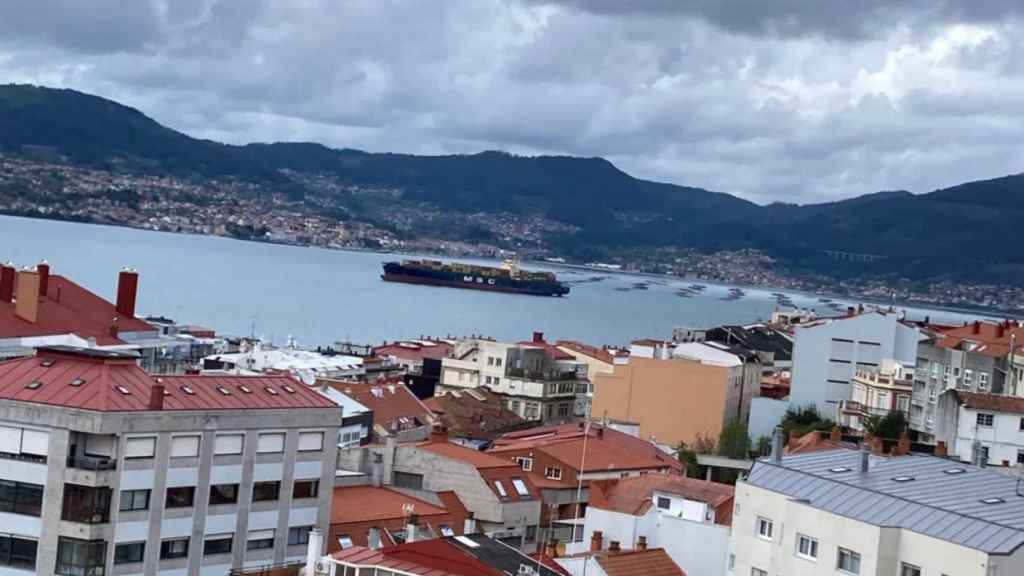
(321, 568)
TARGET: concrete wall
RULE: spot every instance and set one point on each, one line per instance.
(765, 414)
(1004, 439)
(673, 400)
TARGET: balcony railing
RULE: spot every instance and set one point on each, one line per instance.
(541, 375)
(853, 407)
(283, 569)
(94, 463)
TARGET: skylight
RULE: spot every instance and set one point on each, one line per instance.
(953, 471)
(188, 390)
(124, 390)
(77, 382)
(903, 479)
(839, 469)
(34, 385)
(288, 389)
(271, 391)
(224, 391)
(245, 388)
(992, 500)
(47, 362)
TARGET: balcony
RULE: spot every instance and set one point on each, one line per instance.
(86, 505)
(92, 463)
(541, 375)
(860, 409)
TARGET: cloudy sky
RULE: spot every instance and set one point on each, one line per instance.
(785, 100)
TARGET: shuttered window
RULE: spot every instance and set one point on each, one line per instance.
(311, 441)
(140, 447)
(184, 446)
(270, 442)
(228, 444)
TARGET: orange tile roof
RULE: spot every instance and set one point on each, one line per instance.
(369, 503)
(389, 401)
(651, 562)
(479, 460)
(601, 354)
(633, 495)
(466, 416)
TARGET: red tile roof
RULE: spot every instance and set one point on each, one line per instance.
(490, 468)
(368, 503)
(414, 350)
(993, 402)
(467, 416)
(92, 380)
(652, 562)
(389, 401)
(477, 459)
(602, 354)
(426, 558)
(606, 448)
(633, 495)
(68, 308)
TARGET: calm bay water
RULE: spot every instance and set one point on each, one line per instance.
(321, 296)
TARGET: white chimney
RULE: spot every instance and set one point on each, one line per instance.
(314, 551)
(373, 538)
(410, 528)
(469, 526)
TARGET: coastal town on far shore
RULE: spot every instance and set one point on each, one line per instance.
(226, 207)
(135, 443)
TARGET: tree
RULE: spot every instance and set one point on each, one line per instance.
(764, 445)
(804, 420)
(689, 460)
(892, 425)
(734, 441)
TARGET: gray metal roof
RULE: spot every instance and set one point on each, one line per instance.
(934, 503)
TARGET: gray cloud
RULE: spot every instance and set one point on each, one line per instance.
(726, 95)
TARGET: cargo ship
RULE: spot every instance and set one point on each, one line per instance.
(507, 278)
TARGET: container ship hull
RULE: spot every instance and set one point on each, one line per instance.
(472, 278)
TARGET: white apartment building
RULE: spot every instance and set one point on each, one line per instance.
(828, 353)
(540, 381)
(992, 424)
(849, 513)
(105, 469)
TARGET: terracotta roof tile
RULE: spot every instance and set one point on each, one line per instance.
(367, 503)
(993, 402)
(652, 562)
(389, 401)
(633, 495)
(466, 416)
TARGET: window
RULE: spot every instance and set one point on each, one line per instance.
(909, 569)
(134, 500)
(806, 547)
(306, 489)
(732, 562)
(984, 453)
(757, 572)
(265, 491)
(490, 360)
(18, 552)
(497, 361)
(968, 376)
(226, 444)
(446, 530)
(563, 409)
(553, 473)
(1020, 457)
(935, 369)
(180, 497)
(223, 494)
(131, 553)
(500, 488)
(983, 380)
(531, 533)
(21, 498)
(848, 561)
(497, 381)
(176, 548)
(764, 528)
(520, 487)
(218, 544)
(299, 535)
(311, 441)
(184, 446)
(903, 403)
(85, 557)
(85, 504)
(664, 503)
(985, 419)
(345, 541)
(407, 480)
(527, 463)
(260, 540)
(140, 447)
(270, 442)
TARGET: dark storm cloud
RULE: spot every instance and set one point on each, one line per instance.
(788, 100)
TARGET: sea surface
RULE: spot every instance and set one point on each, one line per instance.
(321, 296)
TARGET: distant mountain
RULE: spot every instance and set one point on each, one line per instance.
(964, 232)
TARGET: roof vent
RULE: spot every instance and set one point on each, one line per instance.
(840, 469)
(224, 391)
(34, 385)
(188, 390)
(245, 388)
(124, 390)
(288, 389)
(954, 471)
(991, 501)
(271, 391)
(903, 479)
(77, 382)
(46, 363)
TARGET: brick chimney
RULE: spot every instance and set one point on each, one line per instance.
(596, 541)
(614, 547)
(538, 337)
(7, 276)
(156, 397)
(27, 306)
(877, 446)
(903, 446)
(44, 277)
(835, 434)
(940, 449)
(439, 433)
(977, 327)
(641, 543)
(551, 548)
(127, 291)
